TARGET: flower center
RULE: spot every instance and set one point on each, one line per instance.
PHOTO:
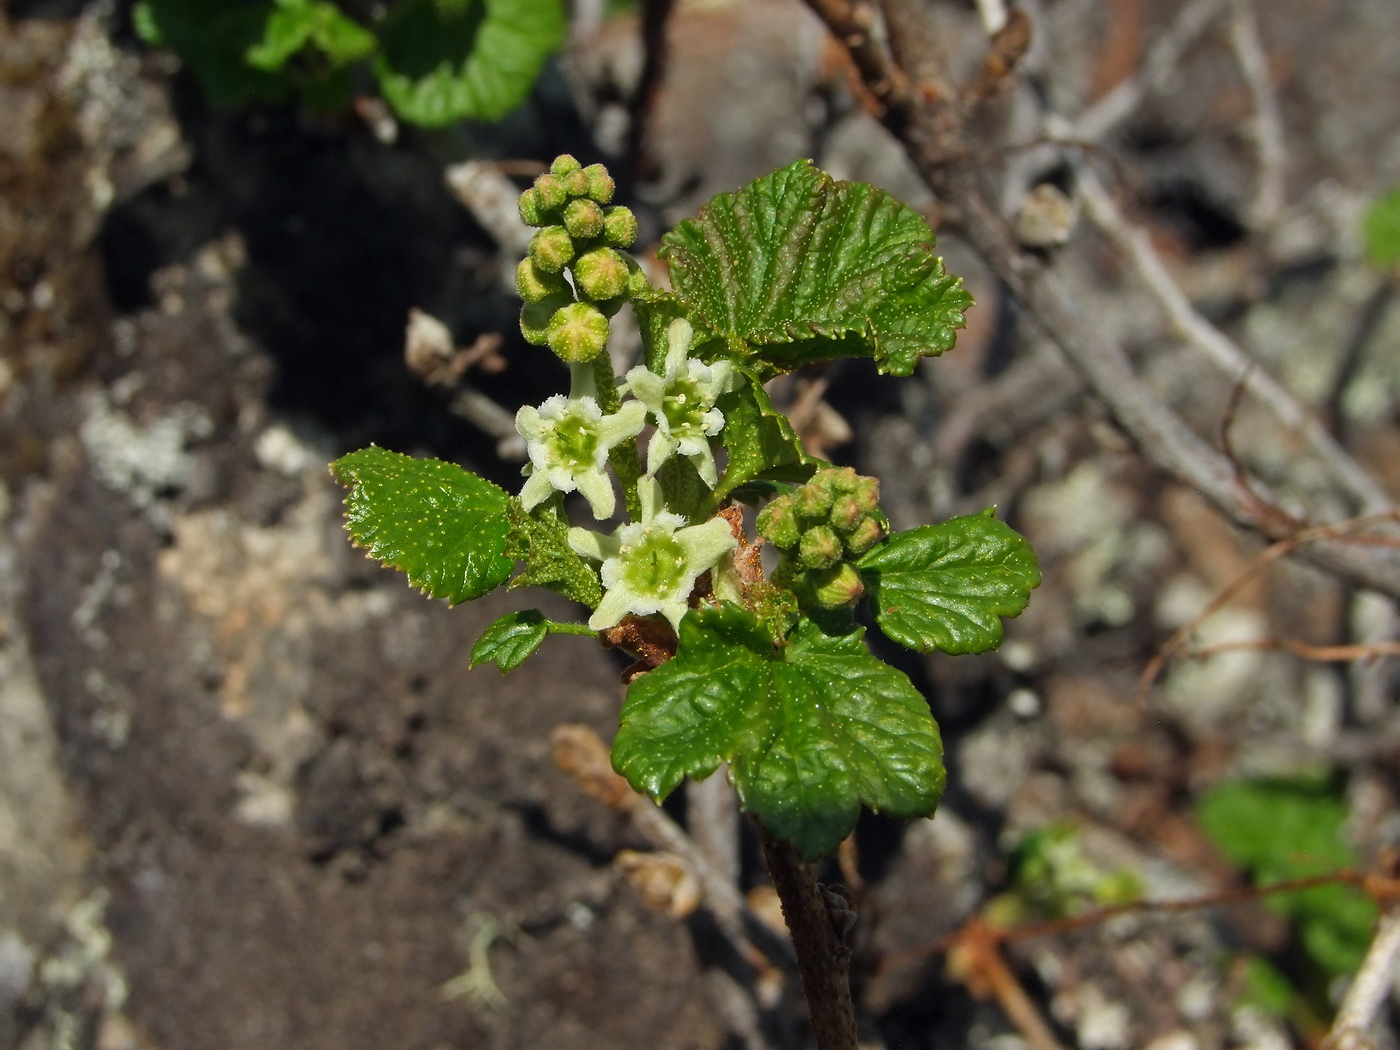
(655, 564)
(574, 444)
(685, 407)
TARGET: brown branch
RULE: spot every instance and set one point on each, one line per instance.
(818, 919)
(1333, 654)
(975, 958)
(853, 22)
(656, 48)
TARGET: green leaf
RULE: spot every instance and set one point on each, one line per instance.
(444, 527)
(440, 63)
(949, 586)
(1381, 229)
(759, 439)
(214, 38)
(297, 23)
(540, 539)
(511, 640)
(812, 731)
(798, 267)
(1289, 829)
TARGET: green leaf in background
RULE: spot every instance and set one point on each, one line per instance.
(441, 62)
(444, 527)
(949, 586)
(540, 539)
(798, 267)
(511, 640)
(297, 23)
(214, 38)
(1381, 229)
(1289, 829)
(812, 731)
(759, 439)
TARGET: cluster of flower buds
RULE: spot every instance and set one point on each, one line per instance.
(577, 273)
(819, 529)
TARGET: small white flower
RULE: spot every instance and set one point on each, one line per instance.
(650, 566)
(682, 402)
(568, 440)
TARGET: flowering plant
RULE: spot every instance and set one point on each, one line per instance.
(769, 673)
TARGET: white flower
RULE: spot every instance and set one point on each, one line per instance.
(650, 566)
(568, 440)
(682, 402)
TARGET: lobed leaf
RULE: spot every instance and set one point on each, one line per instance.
(215, 37)
(296, 23)
(444, 527)
(759, 440)
(540, 539)
(812, 731)
(511, 640)
(798, 267)
(949, 586)
(444, 62)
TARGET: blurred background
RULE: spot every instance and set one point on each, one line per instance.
(252, 797)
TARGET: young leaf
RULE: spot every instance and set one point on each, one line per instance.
(511, 640)
(214, 37)
(812, 731)
(949, 586)
(759, 439)
(295, 23)
(444, 62)
(444, 527)
(1381, 230)
(540, 538)
(798, 266)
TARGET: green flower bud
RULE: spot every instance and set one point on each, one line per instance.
(576, 183)
(564, 164)
(530, 210)
(839, 479)
(578, 333)
(847, 512)
(549, 192)
(535, 317)
(552, 249)
(820, 548)
(837, 586)
(583, 218)
(863, 537)
(868, 492)
(814, 498)
(600, 183)
(534, 284)
(777, 523)
(619, 227)
(637, 281)
(601, 273)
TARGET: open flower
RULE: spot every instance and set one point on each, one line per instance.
(682, 402)
(650, 566)
(568, 440)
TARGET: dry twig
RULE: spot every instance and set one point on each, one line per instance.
(1369, 988)
(1268, 119)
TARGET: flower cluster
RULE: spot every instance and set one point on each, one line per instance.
(576, 274)
(819, 529)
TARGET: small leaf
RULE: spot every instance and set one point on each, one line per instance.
(1381, 229)
(798, 267)
(511, 640)
(949, 586)
(759, 439)
(445, 62)
(444, 527)
(812, 731)
(540, 539)
(214, 38)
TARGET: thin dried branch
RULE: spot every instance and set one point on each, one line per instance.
(1369, 988)
(656, 50)
(974, 957)
(853, 23)
(1333, 654)
(1268, 118)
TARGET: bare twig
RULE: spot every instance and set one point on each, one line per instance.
(1369, 988)
(656, 49)
(1334, 654)
(852, 22)
(1268, 120)
(484, 190)
(974, 957)
(1219, 349)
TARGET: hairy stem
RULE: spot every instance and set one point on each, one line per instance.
(823, 957)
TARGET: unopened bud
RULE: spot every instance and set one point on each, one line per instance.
(564, 164)
(552, 249)
(534, 284)
(578, 333)
(838, 586)
(535, 317)
(601, 273)
(637, 282)
(868, 492)
(531, 213)
(813, 499)
(620, 227)
(600, 184)
(839, 479)
(820, 548)
(576, 183)
(549, 192)
(846, 512)
(583, 218)
(863, 537)
(777, 523)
